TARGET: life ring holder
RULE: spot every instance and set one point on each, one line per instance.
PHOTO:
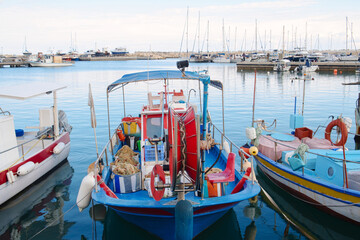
(343, 129)
(157, 171)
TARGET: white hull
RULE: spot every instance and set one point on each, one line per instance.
(221, 60)
(308, 69)
(334, 205)
(351, 58)
(39, 64)
(282, 69)
(9, 190)
(12, 213)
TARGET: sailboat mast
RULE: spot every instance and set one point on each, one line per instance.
(265, 42)
(245, 41)
(223, 30)
(187, 33)
(351, 36)
(292, 37)
(255, 35)
(306, 36)
(207, 40)
(71, 43)
(235, 39)
(283, 55)
(346, 34)
(228, 42)
(75, 43)
(199, 33)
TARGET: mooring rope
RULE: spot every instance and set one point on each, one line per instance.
(42, 137)
(61, 215)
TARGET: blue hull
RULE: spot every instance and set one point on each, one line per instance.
(164, 227)
(158, 217)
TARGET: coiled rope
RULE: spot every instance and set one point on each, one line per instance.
(41, 138)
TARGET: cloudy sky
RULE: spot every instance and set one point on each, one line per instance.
(159, 24)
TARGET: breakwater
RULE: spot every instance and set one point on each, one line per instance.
(323, 66)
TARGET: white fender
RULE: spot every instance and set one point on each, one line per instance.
(26, 168)
(251, 133)
(84, 194)
(226, 147)
(246, 165)
(58, 148)
(10, 176)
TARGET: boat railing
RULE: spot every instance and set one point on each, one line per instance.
(39, 137)
(4, 112)
(232, 145)
(343, 160)
(107, 150)
(318, 154)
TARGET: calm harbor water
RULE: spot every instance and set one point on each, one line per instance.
(52, 200)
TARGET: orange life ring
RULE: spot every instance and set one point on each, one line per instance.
(343, 129)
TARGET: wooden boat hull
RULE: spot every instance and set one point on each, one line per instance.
(337, 201)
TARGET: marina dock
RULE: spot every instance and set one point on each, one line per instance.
(14, 64)
(323, 66)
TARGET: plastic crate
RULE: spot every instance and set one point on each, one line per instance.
(150, 152)
(303, 132)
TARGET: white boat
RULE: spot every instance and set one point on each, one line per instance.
(26, 52)
(283, 65)
(27, 156)
(119, 51)
(50, 61)
(221, 58)
(308, 67)
(351, 57)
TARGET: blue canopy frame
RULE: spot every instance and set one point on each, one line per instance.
(164, 75)
(155, 75)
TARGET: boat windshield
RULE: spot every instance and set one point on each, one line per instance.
(153, 127)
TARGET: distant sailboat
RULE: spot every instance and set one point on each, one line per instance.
(221, 57)
(26, 52)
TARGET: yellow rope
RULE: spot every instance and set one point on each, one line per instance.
(42, 137)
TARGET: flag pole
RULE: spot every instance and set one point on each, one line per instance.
(93, 117)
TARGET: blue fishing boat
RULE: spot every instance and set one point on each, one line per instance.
(318, 171)
(183, 181)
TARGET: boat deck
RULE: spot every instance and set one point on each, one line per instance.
(27, 146)
(141, 198)
(32, 147)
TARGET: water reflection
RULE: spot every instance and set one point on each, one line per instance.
(226, 227)
(38, 206)
(311, 222)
